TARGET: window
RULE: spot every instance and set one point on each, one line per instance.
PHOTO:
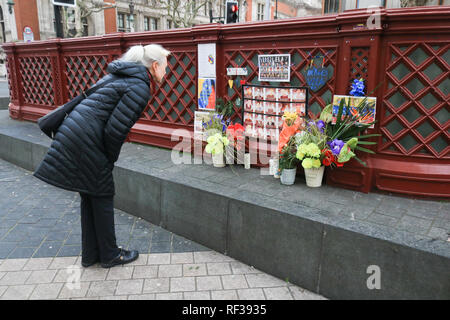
(121, 23)
(153, 24)
(2, 26)
(125, 22)
(331, 6)
(260, 12)
(150, 23)
(84, 23)
(169, 24)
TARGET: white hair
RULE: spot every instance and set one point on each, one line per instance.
(146, 54)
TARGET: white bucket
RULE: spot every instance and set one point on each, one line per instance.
(314, 176)
(288, 176)
(218, 160)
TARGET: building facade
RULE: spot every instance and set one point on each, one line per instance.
(27, 20)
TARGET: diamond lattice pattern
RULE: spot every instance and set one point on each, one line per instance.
(174, 101)
(415, 120)
(36, 73)
(84, 71)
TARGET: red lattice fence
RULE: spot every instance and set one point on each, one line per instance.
(409, 54)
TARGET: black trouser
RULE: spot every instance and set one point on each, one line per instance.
(98, 237)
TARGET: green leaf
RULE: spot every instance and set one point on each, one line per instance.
(366, 142)
(364, 149)
(360, 161)
(369, 135)
(340, 110)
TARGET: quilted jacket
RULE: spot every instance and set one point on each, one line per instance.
(82, 155)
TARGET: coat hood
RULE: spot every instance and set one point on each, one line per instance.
(128, 68)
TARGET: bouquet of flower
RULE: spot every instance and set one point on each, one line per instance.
(216, 143)
(215, 125)
(291, 125)
(311, 145)
(287, 158)
(344, 137)
(235, 135)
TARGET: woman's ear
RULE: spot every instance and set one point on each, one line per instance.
(154, 66)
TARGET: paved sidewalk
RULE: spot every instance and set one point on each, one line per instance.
(200, 275)
(40, 255)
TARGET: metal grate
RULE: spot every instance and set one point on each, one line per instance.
(415, 120)
(84, 71)
(175, 101)
(359, 66)
(36, 74)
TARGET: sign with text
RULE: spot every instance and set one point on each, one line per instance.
(274, 67)
(237, 72)
(316, 77)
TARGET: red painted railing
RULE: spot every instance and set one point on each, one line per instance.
(409, 53)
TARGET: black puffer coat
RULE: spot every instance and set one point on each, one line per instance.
(82, 155)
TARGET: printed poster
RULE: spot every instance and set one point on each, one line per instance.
(274, 67)
(264, 107)
(199, 118)
(353, 102)
(206, 60)
(207, 93)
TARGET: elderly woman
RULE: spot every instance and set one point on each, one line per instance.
(82, 155)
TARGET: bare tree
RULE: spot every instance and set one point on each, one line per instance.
(182, 12)
(83, 10)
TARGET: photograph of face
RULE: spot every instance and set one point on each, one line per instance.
(248, 92)
(249, 119)
(248, 105)
(258, 93)
(270, 121)
(299, 108)
(259, 106)
(270, 107)
(259, 120)
(283, 94)
(270, 94)
(249, 130)
(298, 95)
(285, 107)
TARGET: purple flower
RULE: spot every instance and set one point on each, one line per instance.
(336, 146)
(321, 125)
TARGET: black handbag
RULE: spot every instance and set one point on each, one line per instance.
(50, 123)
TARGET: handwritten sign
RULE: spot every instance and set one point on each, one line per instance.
(316, 77)
(237, 72)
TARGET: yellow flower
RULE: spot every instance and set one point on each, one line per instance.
(290, 117)
(313, 150)
(316, 163)
(301, 151)
(307, 163)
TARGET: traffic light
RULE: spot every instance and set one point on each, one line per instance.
(232, 12)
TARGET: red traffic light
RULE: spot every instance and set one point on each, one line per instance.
(234, 8)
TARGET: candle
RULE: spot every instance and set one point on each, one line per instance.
(247, 161)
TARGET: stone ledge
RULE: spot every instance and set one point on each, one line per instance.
(311, 247)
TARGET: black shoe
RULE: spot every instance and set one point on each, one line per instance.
(124, 257)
